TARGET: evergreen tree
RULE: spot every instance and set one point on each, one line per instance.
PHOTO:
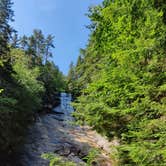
(48, 46)
(124, 96)
(25, 80)
(71, 78)
(38, 47)
(24, 42)
(6, 15)
(14, 40)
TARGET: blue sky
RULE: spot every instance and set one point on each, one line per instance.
(65, 19)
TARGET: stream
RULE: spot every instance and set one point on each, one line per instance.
(54, 133)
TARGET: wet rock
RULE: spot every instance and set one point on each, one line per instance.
(56, 112)
(62, 150)
(59, 118)
(53, 134)
(66, 149)
(83, 150)
(76, 159)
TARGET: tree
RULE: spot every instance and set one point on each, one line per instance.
(71, 79)
(6, 15)
(27, 77)
(53, 82)
(14, 40)
(125, 94)
(48, 46)
(38, 46)
(24, 42)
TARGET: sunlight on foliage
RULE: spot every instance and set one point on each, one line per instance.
(91, 157)
(119, 81)
(57, 160)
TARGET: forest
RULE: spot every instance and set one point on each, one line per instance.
(29, 80)
(118, 83)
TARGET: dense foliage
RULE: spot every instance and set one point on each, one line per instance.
(27, 79)
(121, 78)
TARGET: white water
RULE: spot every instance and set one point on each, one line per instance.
(66, 100)
(52, 133)
(65, 109)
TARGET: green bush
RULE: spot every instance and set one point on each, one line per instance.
(57, 160)
(124, 73)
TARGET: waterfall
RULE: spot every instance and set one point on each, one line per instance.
(66, 103)
(65, 109)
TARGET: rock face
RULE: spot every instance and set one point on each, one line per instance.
(53, 133)
(51, 101)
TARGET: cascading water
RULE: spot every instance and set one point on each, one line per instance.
(66, 103)
(52, 133)
(65, 109)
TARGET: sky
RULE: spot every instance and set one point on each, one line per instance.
(64, 19)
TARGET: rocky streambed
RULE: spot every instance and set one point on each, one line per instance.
(54, 133)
